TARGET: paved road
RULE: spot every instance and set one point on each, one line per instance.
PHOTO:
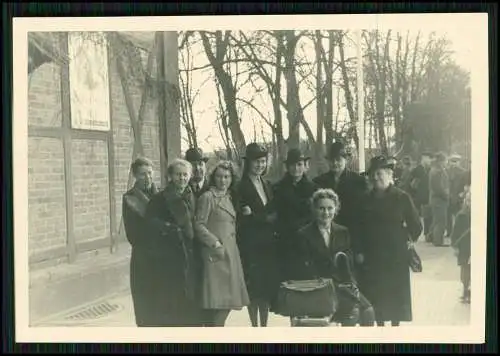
(436, 293)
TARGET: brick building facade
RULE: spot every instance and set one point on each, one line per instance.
(77, 177)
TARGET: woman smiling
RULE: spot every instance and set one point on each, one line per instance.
(223, 286)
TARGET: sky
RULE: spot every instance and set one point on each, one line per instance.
(206, 103)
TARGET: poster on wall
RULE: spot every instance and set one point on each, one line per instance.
(88, 78)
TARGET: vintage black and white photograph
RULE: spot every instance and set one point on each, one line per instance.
(177, 174)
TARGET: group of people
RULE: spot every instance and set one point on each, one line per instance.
(440, 189)
(209, 244)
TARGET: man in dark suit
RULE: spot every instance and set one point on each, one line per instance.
(456, 174)
(349, 186)
(199, 184)
(439, 198)
(419, 191)
(199, 180)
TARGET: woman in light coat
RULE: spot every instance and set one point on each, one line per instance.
(223, 284)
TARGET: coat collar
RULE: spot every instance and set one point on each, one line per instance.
(224, 204)
(315, 237)
(247, 181)
(182, 205)
(288, 180)
(138, 199)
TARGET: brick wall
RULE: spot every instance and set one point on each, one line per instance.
(46, 199)
(91, 196)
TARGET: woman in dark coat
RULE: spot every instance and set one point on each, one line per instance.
(257, 238)
(292, 196)
(460, 240)
(138, 234)
(172, 265)
(318, 246)
(388, 223)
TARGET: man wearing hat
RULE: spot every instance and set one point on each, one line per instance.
(439, 198)
(198, 184)
(291, 197)
(199, 181)
(456, 174)
(349, 186)
(419, 191)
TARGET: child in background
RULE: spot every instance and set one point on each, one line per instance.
(460, 240)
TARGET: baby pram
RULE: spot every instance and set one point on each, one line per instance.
(308, 303)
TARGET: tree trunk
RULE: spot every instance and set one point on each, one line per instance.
(352, 132)
(328, 93)
(320, 96)
(226, 84)
(294, 108)
(275, 93)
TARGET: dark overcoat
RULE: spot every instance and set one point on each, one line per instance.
(387, 223)
(197, 246)
(313, 258)
(456, 176)
(257, 241)
(419, 185)
(174, 268)
(460, 237)
(350, 189)
(293, 209)
(138, 233)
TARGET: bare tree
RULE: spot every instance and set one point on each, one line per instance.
(216, 56)
(188, 95)
(346, 86)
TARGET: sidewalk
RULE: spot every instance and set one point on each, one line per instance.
(436, 293)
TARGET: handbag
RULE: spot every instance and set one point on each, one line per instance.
(346, 287)
(312, 298)
(414, 260)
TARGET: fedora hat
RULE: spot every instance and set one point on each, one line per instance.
(455, 157)
(379, 162)
(337, 149)
(255, 150)
(195, 155)
(294, 155)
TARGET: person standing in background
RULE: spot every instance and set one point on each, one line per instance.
(198, 182)
(456, 174)
(198, 185)
(257, 234)
(397, 170)
(461, 242)
(138, 233)
(419, 190)
(406, 168)
(292, 196)
(439, 198)
(348, 185)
